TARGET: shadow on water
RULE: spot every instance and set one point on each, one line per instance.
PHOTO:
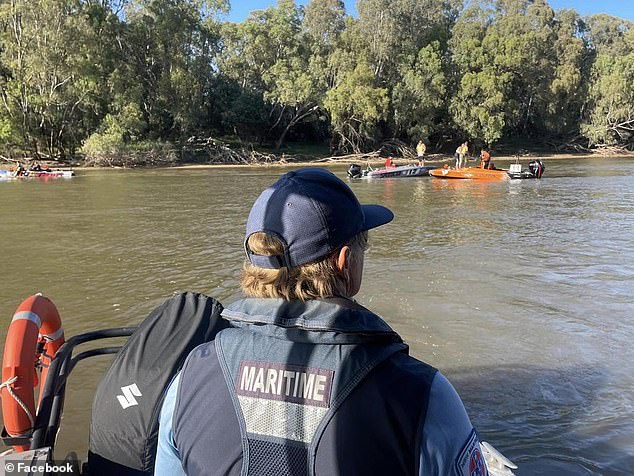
(524, 411)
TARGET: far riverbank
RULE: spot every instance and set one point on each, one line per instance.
(429, 159)
(373, 159)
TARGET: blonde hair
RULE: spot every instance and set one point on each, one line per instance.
(315, 280)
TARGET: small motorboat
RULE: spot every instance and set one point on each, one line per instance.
(473, 173)
(9, 175)
(355, 171)
(535, 170)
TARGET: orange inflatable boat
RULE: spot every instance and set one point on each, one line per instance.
(473, 173)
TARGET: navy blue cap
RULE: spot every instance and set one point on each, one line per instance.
(313, 212)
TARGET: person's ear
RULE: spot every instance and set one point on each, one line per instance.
(343, 258)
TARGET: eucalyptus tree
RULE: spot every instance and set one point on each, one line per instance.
(168, 51)
(519, 70)
(419, 97)
(402, 43)
(569, 84)
(610, 109)
(50, 74)
(394, 31)
(608, 34)
(323, 24)
(267, 56)
(356, 105)
(479, 106)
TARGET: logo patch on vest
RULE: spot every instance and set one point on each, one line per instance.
(470, 461)
(288, 383)
(127, 399)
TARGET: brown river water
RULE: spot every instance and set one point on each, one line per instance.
(522, 293)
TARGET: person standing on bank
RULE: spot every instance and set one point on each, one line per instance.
(308, 381)
(421, 148)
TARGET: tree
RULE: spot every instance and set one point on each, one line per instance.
(529, 61)
(608, 34)
(50, 83)
(481, 106)
(266, 55)
(610, 117)
(569, 84)
(418, 99)
(356, 105)
(168, 50)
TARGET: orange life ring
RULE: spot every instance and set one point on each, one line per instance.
(34, 336)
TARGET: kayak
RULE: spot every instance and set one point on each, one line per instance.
(392, 172)
(473, 173)
(8, 175)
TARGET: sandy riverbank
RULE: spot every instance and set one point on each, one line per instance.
(326, 162)
(431, 159)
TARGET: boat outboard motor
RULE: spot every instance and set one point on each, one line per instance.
(354, 171)
(125, 412)
(537, 168)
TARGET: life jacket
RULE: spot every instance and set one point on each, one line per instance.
(317, 387)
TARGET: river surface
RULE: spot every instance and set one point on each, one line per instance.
(522, 293)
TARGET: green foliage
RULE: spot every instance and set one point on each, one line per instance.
(481, 104)
(608, 34)
(522, 65)
(48, 85)
(7, 131)
(419, 97)
(356, 105)
(611, 101)
(116, 133)
(110, 76)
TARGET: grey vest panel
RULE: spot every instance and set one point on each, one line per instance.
(285, 393)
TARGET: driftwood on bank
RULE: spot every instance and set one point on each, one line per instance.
(213, 151)
(217, 152)
(195, 150)
(611, 150)
(350, 158)
(390, 148)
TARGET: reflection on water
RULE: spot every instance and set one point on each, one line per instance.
(520, 292)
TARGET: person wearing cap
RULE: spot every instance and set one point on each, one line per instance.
(308, 381)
